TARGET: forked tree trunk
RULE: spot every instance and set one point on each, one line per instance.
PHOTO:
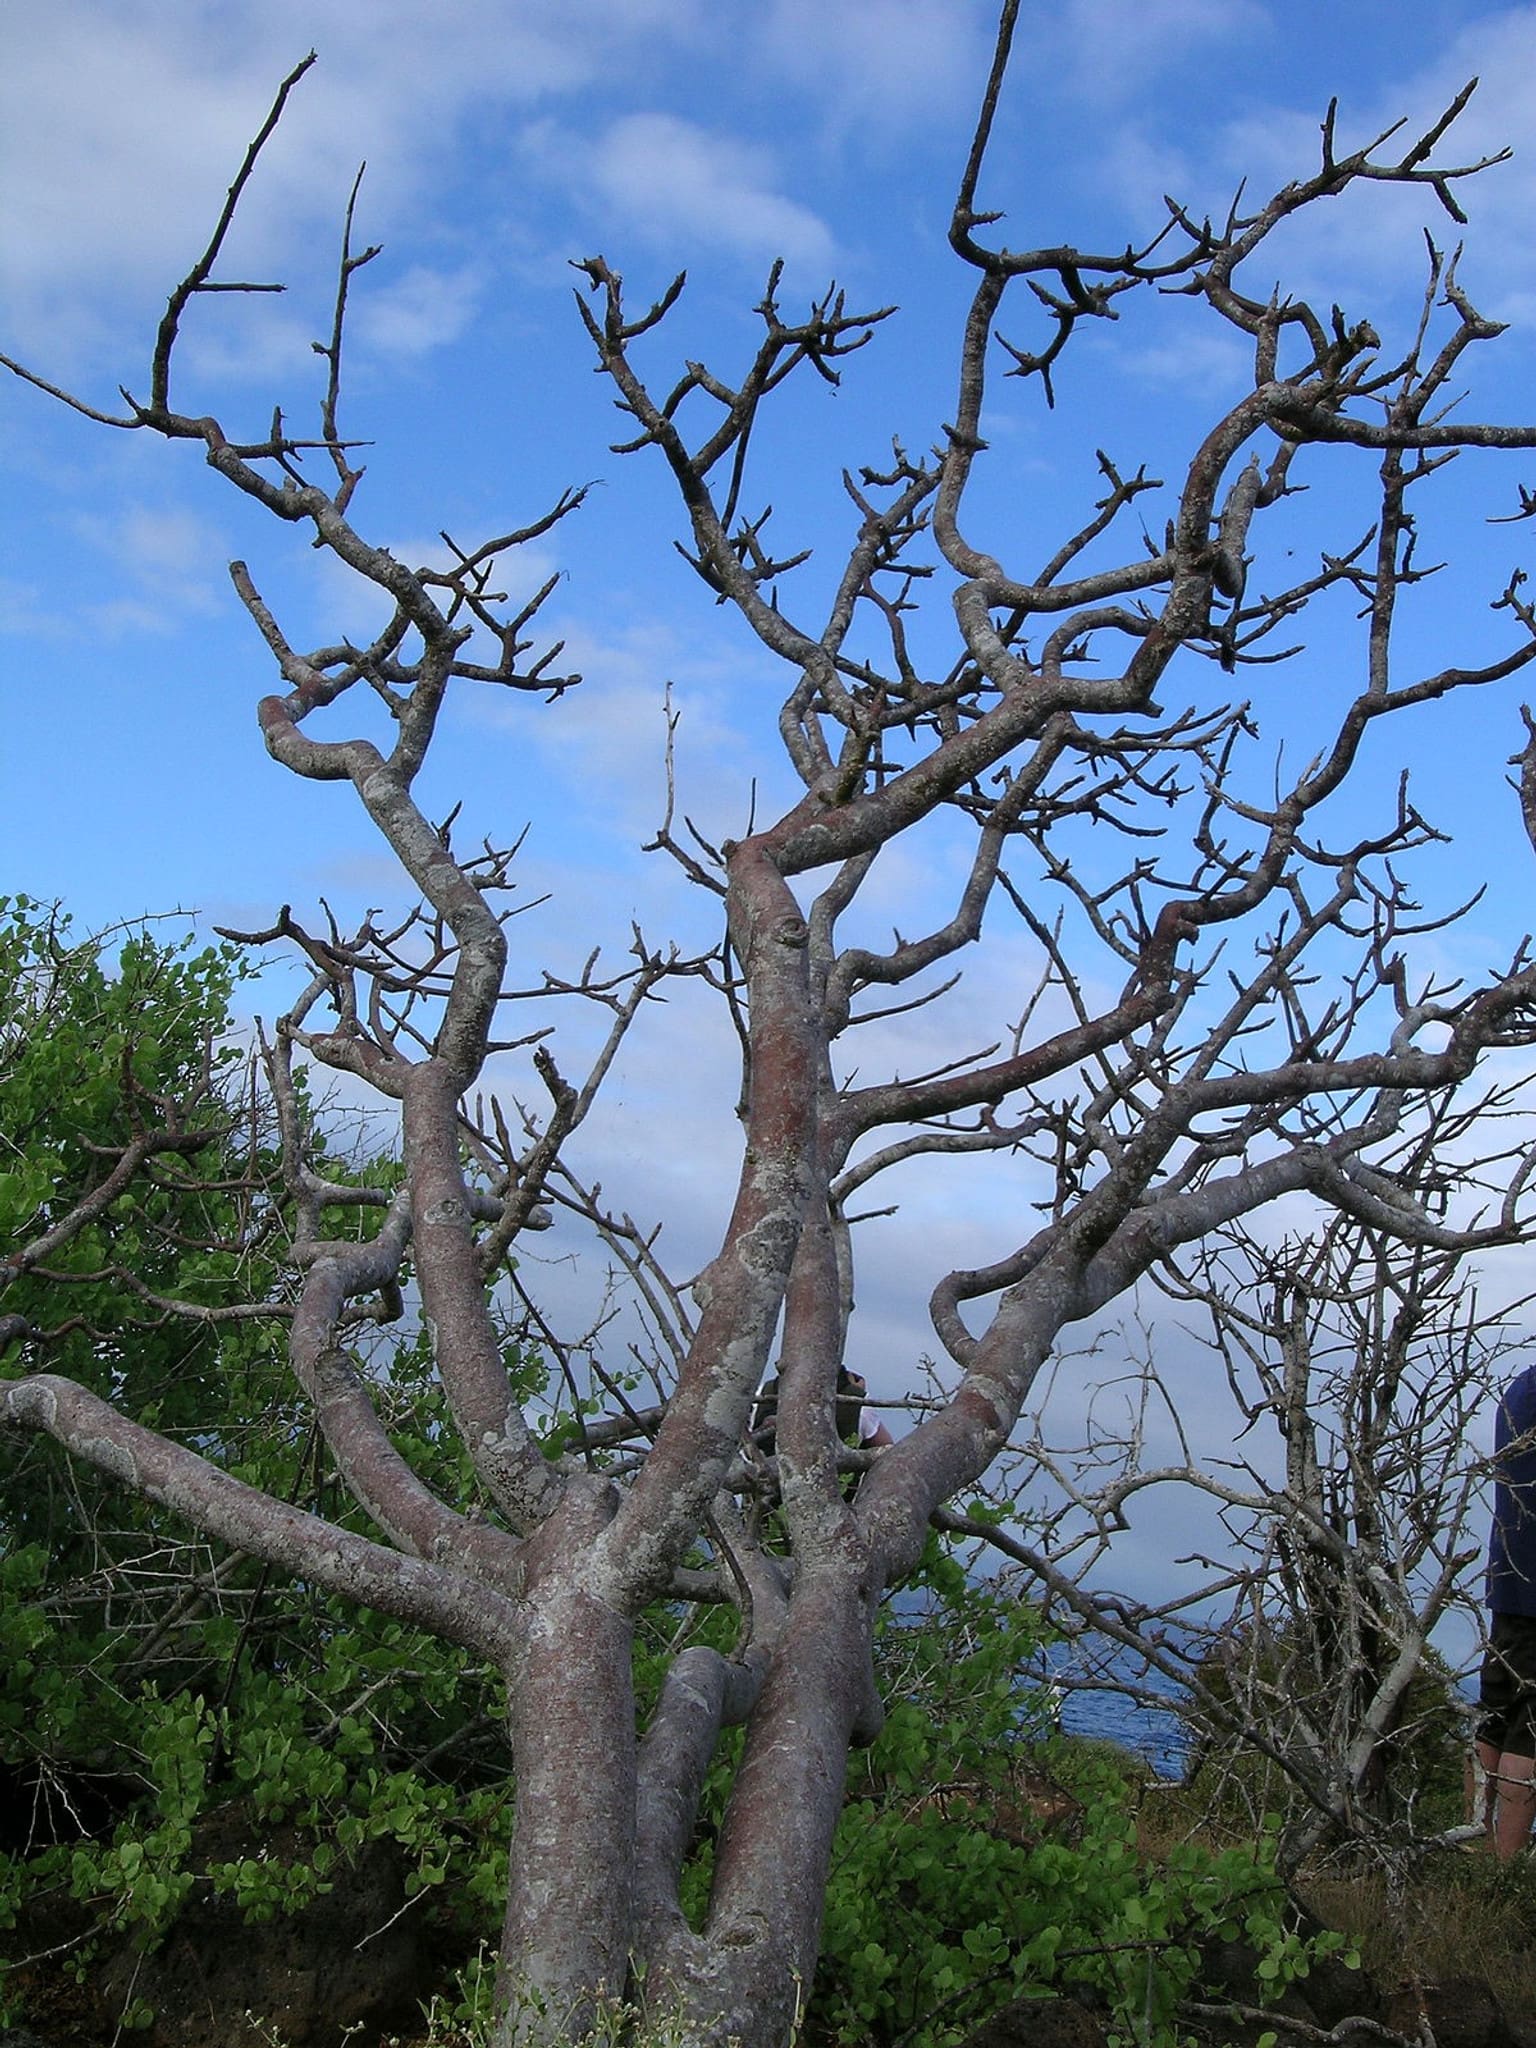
(588, 1943)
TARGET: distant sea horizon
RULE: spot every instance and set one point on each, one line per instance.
(1102, 1715)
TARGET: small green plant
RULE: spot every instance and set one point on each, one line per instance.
(983, 1858)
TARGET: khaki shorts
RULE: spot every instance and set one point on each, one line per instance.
(1507, 1691)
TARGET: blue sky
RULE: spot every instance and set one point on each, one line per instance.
(501, 140)
(504, 138)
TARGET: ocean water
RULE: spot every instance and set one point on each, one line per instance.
(1153, 1732)
(1080, 1676)
(1089, 1706)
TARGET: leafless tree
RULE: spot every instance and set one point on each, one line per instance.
(1351, 1507)
(1372, 1362)
(1146, 1117)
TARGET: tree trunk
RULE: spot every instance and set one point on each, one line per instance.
(567, 1935)
(747, 1977)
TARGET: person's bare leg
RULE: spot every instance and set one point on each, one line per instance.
(1516, 1807)
(1482, 1779)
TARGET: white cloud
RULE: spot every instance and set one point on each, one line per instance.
(123, 122)
(1376, 234)
(419, 311)
(1206, 359)
(878, 64)
(1113, 51)
(120, 137)
(237, 342)
(28, 612)
(608, 738)
(170, 565)
(682, 187)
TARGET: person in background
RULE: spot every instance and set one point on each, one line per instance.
(1506, 1734)
(857, 1424)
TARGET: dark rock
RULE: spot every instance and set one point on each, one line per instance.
(1462, 2012)
(1039, 2023)
(345, 1960)
(1336, 1992)
(1328, 1995)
